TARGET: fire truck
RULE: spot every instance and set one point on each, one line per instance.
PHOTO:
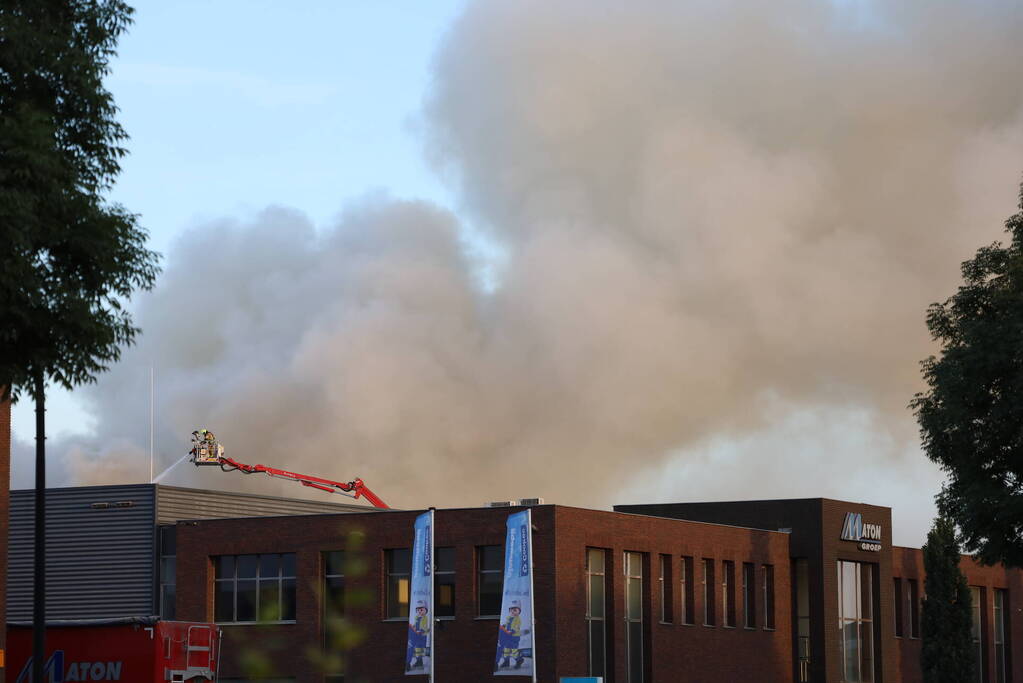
(207, 451)
(129, 649)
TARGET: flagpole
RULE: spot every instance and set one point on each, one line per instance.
(151, 372)
(532, 586)
(433, 617)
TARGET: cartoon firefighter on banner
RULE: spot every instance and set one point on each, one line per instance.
(418, 637)
(509, 636)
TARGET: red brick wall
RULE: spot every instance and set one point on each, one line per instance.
(908, 563)
(677, 652)
(465, 646)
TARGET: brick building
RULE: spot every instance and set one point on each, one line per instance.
(794, 590)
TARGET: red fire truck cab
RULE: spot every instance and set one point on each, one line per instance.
(132, 649)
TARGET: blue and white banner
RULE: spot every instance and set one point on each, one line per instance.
(515, 637)
(419, 653)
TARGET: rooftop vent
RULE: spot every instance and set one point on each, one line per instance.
(531, 501)
(501, 504)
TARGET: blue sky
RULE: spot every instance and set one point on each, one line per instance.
(233, 106)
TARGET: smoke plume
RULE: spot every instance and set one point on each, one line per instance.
(712, 216)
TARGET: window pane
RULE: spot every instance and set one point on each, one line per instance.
(247, 565)
(914, 607)
(223, 567)
(866, 588)
(596, 596)
(168, 538)
(490, 585)
(333, 563)
(444, 559)
(167, 601)
(399, 561)
(852, 656)
(897, 598)
(269, 566)
(288, 565)
(223, 601)
(288, 599)
(595, 560)
(847, 573)
(246, 609)
(491, 558)
(333, 596)
(635, 606)
(597, 648)
(866, 652)
(397, 596)
(749, 596)
(635, 652)
(167, 569)
(444, 595)
(269, 600)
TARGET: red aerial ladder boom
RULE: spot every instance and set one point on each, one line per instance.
(207, 451)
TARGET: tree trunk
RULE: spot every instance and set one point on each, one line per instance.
(39, 569)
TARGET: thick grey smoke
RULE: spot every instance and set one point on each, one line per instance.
(713, 216)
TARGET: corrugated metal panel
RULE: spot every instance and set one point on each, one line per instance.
(99, 562)
(175, 503)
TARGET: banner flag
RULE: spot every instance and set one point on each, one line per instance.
(419, 653)
(515, 643)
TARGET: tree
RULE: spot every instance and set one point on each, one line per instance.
(947, 654)
(971, 418)
(71, 259)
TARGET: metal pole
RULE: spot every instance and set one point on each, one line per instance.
(151, 423)
(532, 585)
(39, 568)
(433, 583)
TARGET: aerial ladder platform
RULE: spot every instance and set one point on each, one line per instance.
(207, 451)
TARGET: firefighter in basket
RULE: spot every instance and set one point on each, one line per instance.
(418, 637)
(205, 449)
(510, 634)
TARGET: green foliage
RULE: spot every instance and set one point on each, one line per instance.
(70, 260)
(971, 419)
(947, 654)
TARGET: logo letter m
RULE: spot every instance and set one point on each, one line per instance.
(852, 530)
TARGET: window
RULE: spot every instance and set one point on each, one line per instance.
(490, 581)
(596, 614)
(634, 616)
(333, 609)
(897, 598)
(914, 609)
(688, 589)
(800, 571)
(667, 596)
(168, 570)
(749, 595)
(251, 588)
(977, 595)
(855, 620)
(334, 583)
(398, 563)
(728, 593)
(708, 592)
(768, 572)
(1000, 608)
(444, 582)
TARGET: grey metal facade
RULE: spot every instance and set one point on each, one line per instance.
(101, 554)
(174, 503)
